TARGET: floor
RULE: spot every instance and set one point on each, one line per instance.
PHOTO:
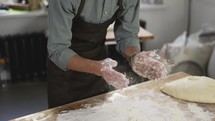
(22, 99)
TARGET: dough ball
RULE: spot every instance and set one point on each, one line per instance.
(192, 88)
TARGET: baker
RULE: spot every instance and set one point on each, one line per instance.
(78, 66)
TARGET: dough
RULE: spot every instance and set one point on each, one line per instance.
(192, 88)
(211, 69)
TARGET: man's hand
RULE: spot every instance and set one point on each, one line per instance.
(148, 64)
(111, 76)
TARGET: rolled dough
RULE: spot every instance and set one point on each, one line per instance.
(192, 88)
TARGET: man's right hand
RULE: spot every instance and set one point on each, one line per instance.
(112, 77)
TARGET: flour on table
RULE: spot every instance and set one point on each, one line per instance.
(144, 106)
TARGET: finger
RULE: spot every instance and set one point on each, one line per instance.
(118, 84)
(121, 78)
(110, 62)
(151, 53)
(121, 81)
(145, 54)
(116, 79)
(121, 84)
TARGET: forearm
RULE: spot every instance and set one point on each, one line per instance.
(80, 64)
(102, 68)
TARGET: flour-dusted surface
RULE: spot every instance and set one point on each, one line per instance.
(146, 105)
(133, 103)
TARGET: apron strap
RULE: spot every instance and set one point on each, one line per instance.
(81, 6)
(118, 12)
(119, 3)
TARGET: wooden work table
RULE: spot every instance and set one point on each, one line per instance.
(143, 35)
(51, 114)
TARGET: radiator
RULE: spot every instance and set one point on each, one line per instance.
(26, 55)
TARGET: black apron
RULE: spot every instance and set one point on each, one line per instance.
(88, 41)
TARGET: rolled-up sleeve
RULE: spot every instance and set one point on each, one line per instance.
(61, 13)
(127, 27)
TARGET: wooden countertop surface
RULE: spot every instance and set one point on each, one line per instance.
(51, 114)
(143, 35)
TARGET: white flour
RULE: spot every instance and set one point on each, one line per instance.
(143, 106)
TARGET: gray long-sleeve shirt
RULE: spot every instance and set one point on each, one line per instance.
(62, 12)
